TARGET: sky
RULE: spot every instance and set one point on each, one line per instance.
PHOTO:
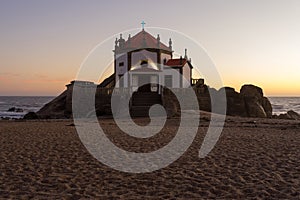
(43, 43)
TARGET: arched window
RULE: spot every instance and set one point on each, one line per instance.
(144, 62)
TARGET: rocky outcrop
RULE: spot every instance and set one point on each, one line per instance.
(250, 102)
(14, 109)
(203, 93)
(291, 115)
(31, 115)
(170, 104)
(236, 105)
(56, 109)
(61, 106)
(256, 104)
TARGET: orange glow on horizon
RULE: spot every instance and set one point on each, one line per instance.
(43, 45)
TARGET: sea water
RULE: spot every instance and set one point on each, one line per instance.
(283, 104)
(26, 103)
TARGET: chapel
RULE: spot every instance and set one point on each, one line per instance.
(143, 58)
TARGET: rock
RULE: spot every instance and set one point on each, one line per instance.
(19, 110)
(14, 109)
(172, 109)
(170, 104)
(266, 104)
(254, 107)
(55, 109)
(293, 115)
(251, 90)
(203, 93)
(61, 106)
(31, 115)
(235, 102)
(250, 102)
(275, 116)
(282, 116)
(256, 104)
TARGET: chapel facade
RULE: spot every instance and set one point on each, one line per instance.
(143, 59)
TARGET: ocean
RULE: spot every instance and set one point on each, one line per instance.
(27, 104)
(283, 104)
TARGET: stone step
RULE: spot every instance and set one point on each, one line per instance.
(141, 111)
(146, 102)
(145, 99)
(142, 101)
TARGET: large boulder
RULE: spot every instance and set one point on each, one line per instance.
(293, 115)
(266, 104)
(254, 108)
(256, 104)
(289, 115)
(235, 102)
(203, 93)
(251, 90)
(250, 102)
(170, 104)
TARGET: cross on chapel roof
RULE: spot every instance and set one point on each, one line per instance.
(143, 25)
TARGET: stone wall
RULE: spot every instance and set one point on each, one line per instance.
(61, 106)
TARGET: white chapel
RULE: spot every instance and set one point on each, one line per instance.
(143, 59)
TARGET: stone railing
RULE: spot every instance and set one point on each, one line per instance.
(194, 81)
(109, 91)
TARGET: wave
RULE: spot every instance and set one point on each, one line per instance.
(276, 106)
(15, 115)
(28, 104)
(297, 104)
(283, 104)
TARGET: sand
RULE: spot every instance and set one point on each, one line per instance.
(46, 160)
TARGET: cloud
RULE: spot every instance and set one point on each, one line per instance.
(6, 77)
(42, 78)
(9, 74)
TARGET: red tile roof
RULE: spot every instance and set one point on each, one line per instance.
(176, 62)
(144, 39)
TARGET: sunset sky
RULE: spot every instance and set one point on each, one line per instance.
(43, 43)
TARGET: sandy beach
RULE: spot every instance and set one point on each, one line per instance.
(254, 158)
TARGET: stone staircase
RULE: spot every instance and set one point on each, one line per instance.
(141, 103)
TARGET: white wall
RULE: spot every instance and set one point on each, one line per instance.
(136, 57)
(176, 77)
(186, 71)
(121, 58)
(125, 79)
